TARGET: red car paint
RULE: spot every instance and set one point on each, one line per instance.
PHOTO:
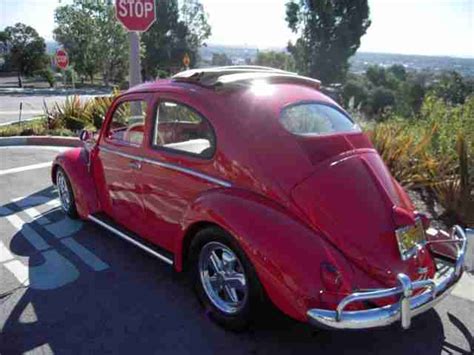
(315, 215)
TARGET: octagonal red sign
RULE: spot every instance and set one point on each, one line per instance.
(135, 15)
(62, 58)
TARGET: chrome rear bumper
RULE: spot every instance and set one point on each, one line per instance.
(407, 307)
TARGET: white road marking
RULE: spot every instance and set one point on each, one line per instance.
(56, 270)
(22, 111)
(63, 229)
(19, 270)
(28, 233)
(24, 168)
(5, 254)
(35, 147)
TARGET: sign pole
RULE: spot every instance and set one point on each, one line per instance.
(134, 69)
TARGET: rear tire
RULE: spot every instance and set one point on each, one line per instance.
(224, 279)
(66, 194)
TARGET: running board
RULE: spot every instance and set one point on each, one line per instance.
(130, 239)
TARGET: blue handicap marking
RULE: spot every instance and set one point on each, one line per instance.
(56, 270)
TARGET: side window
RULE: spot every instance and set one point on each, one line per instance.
(128, 122)
(180, 128)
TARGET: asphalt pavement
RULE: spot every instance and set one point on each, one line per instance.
(68, 286)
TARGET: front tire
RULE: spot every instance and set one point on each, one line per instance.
(66, 194)
(224, 279)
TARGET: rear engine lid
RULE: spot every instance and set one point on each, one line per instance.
(350, 198)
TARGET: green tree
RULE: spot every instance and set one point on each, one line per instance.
(380, 99)
(177, 30)
(398, 71)
(452, 88)
(26, 50)
(279, 60)
(355, 90)
(95, 40)
(329, 34)
(376, 75)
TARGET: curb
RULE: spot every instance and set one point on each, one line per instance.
(40, 140)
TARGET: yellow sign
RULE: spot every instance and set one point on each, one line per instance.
(186, 60)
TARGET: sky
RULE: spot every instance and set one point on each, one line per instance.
(427, 27)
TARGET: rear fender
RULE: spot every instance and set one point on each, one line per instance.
(285, 253)
(75, 164)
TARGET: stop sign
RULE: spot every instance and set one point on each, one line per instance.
(135, 15)
(62, 59)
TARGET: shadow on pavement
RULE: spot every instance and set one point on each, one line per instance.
(140, 305)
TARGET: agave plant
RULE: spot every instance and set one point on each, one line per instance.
(405, 153)
(73, 114)
(98, 107)
(455, 190)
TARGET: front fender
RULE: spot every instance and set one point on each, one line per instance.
(285, 253)
(75, 164)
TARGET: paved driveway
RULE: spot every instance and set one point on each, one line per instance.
(70, 287)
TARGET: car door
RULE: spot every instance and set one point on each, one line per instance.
(177, 167)
(118, 161)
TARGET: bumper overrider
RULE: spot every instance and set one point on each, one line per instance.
(408, 305)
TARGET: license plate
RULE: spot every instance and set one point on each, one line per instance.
(410, 238)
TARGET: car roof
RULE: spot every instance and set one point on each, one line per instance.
(228, 77)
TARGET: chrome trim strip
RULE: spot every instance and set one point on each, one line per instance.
(131, 240)
(125, 155)
(407, 307)
(171, 167)
(188, 171)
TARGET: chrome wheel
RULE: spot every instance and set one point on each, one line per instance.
(63, 189)
(223, 277)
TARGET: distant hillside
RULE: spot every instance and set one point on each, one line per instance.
(359, 63)
(361, 60)
(465, 66)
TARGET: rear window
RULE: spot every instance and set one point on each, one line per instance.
(316, 119)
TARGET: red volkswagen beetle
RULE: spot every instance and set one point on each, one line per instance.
(265, 190)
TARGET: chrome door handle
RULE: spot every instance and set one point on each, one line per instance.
(135, 164)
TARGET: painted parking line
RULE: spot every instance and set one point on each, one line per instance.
(16, 267)
(24, 168)
(55, 271)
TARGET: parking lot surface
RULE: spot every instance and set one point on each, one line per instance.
(67, 286)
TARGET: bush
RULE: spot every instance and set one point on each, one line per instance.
(30, 128)
(73, 114)
(99, 106)
(381, 99)
(433, 151)
(48, 75)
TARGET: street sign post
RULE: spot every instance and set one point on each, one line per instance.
(186, 60)
(62, 62)
(136, 16)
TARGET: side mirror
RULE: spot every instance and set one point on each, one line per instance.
(85, 135)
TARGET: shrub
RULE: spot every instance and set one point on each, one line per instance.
(455, 190)
(73, 114)
(433, 151)
(48, 75)
(381, 98)
(98, 107)
(35, 128)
